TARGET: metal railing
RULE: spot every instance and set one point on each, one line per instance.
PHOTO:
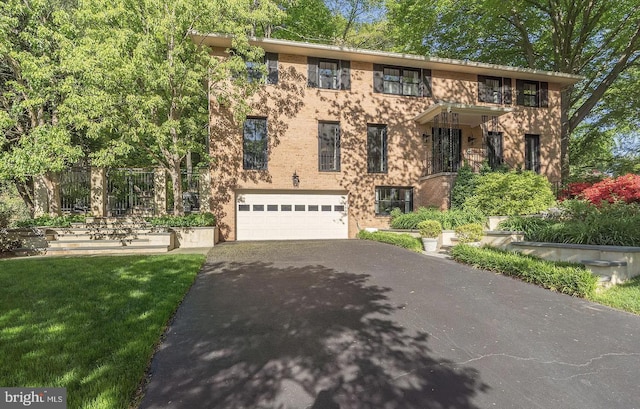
(130, 192)
(190, 191)
(329, 161)
(75, 190)
(476, 158)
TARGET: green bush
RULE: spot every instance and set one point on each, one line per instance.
(572, 279)
(468, 233)
(52, 221)
(464, 186)
(430, 228)
(5, 218)
(511, 193)
(401, 240)
(189, 220)
(449, 219)
(583, 223)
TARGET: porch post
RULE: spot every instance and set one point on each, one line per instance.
(160, 196)
(98, 192)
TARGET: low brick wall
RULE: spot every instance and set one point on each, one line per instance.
(192, 237)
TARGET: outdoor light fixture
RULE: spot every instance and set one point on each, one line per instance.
(470, 139)
(295, 179)
(425, 138)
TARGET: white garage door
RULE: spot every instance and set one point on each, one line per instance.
(270, 216)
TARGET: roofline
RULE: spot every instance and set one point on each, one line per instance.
(388, 58)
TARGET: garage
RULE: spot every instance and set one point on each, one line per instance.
(291, 216)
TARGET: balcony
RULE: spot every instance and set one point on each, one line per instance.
(451, 163)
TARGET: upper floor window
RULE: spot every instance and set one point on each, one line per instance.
(328, 74)
(402, 81)
(256, 69)
(533, 93)
(329, 146)
(494, 90)
(377, 148)
(254, 144)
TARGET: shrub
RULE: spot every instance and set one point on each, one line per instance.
(449, 219)
(511, 193)
(468, 233)
(401, 240)
(464, 186)
(52, 221)
(5, 218)
(572, 279)
(624, 188)
(524, 224)
(430, 228)
(189, 220)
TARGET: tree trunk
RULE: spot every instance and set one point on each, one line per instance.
(565, 133)
(26, 193)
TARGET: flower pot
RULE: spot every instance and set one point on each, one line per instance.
(430, 245)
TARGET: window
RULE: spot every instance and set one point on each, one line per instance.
(377, 148)
(255, 144)
(389, 198)
(490, 89)
(533, 93)
(256, 69)
(329, 146)
(532, 152)
(445, 149)
(328, 74)
(494, 149)
(402, 81)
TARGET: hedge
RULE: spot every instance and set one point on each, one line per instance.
(401, 240)
(52, 221)
(189, 220)
(449, 219)
(566, 278)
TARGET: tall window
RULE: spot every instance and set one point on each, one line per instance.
(256, 70)
(494, 149)
(446, 150)
(328, 74)
(490, 89)
(532, 152)
(377, 148)
(255, 144)
(391, 197)
(329, 146)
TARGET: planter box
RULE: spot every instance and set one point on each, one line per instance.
(501, 239)
(192, 237)
(494, 221)
(617, 263)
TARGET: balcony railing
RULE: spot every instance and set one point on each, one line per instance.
(447, 163)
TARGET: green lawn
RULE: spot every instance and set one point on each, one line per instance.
(89, 324)
(623, 296)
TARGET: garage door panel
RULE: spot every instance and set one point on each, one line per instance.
(263, 216)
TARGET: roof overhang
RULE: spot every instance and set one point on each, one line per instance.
(388, 58)
(470, 115)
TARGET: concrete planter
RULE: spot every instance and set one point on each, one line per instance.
(430, 244)
(494, 221)
(192, 237)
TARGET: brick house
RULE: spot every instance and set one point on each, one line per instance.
(338, 136)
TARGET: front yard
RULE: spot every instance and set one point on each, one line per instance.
(89, 324)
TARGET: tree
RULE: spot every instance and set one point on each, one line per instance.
(36, 139)
(146, 83)
(599, 39)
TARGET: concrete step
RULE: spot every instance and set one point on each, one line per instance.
(604, 263)
(96, 243)
(107, 250)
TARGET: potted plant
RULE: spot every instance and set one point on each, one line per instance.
(429, 231)
(470, 234)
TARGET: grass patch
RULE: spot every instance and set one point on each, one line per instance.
(89, 324)
(567, 278)
(622, 296)
(401, 240)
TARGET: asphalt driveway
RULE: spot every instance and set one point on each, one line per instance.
(353, 324)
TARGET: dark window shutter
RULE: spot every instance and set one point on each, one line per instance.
(378, 83)
(544, 94)
(272, 67)
(520, 92)
(312, 79)
(345, 74)
(482, 89)
(506, 90)
(425, 84)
